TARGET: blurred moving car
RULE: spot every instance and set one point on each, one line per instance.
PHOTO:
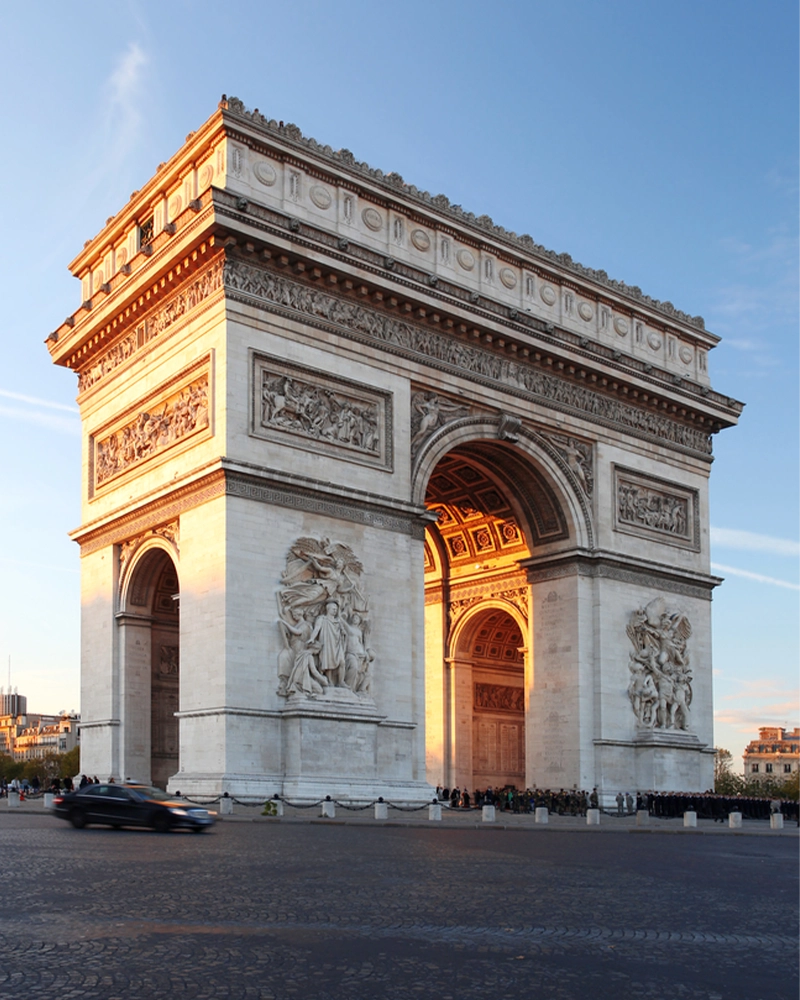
(130, 805)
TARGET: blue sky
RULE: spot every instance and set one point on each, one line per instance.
(658, 142)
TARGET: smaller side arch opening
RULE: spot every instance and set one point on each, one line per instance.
(149, 634)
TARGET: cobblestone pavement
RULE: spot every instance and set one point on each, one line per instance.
(351, 911)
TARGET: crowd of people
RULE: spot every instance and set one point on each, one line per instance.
(34, 786)
(665, 805)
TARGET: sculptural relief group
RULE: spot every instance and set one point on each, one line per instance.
(294, 405)
(323, 617)
(660, 688)
(153, 431)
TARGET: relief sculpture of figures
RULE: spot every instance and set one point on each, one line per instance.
(152, 432)
(578, 456)
(653, 509)
(299, 407)
(429, 412)
(660, 688)
(323, 617)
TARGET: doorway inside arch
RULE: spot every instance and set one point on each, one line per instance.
(490, 653)
(151, 682)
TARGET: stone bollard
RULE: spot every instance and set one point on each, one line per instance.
(593, 817)
(541, 815)
(735, 820)
(13, 800)
(642, 817)
(435, 811)
(226, 805)
(381, 810)
(273, 807)
(48, 800)
(328, 809)
(690, 818)
(488, 814)
(776, 821)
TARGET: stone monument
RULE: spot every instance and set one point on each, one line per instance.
(378, 495)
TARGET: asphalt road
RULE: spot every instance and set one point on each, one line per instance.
(326, 911)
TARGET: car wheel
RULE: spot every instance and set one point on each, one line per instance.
(78, 818)
(161, 822)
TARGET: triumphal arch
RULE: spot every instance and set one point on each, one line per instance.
(378, 495)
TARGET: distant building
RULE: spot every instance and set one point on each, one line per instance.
(29, 736)
(774, 755)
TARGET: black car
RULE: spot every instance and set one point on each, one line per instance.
(130, 805)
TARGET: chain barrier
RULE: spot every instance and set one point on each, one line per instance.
(264, 803)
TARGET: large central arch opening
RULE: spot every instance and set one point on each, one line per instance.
(494, 510)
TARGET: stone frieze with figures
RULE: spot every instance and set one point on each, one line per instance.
(321, 412)
(166, 419)
(656, 509)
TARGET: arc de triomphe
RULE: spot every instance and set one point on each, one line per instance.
(378, 495)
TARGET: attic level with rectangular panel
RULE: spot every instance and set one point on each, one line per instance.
(432, 499)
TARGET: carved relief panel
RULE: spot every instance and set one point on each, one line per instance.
(316, 411)
(176, 412)
(324, 622)
(656, 509)
(660, 688)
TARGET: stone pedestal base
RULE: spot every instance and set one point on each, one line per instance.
(668, 760)
(328, 810)
(48, 800)
(776, 821)
(642, 817)
(435, 812)
(273, 807)
(735, 820)
(488, 814)
(381, 810)
(690, 818)
(593, 817)
(13, 800)
(226, 806)
(541, 814)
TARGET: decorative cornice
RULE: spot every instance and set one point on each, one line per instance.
(136, 327)
(447, 353)
(122, 525)
(605, 565)
(304, 235)
(317, 497)
(264, 485)
(100, 724)
(394, 185)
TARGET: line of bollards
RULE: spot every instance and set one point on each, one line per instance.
(541, 816)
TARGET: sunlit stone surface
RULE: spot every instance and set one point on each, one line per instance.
(378, 496)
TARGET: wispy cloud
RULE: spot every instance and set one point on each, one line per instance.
(53, 421)
(36, 401)
(758, 702)
(110, 149)
(733, 538)
(756, 577)
(124, 116)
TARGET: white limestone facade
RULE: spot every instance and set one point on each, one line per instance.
(379, 496)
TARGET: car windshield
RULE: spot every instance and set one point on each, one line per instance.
(153, 793)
